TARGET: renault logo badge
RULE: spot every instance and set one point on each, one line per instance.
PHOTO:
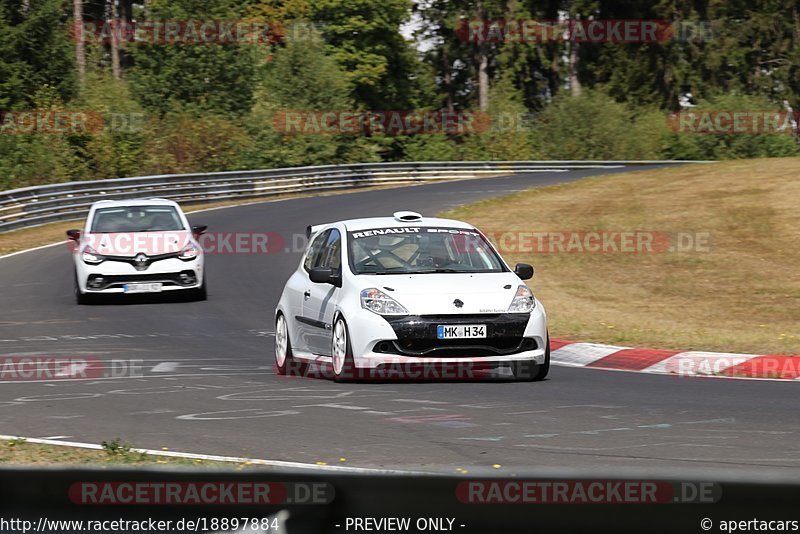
(140, 261)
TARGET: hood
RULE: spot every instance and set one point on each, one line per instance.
(129, 244)
(426, 294)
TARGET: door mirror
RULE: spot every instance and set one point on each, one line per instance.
(325, 275)
(73, 235)
(524, 271)
(199, 229)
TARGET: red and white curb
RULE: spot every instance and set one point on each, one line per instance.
(673, 362)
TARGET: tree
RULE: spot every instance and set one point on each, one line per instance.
(214, 77)
(80, 47)
(302, 79)
(36, 51)
(364, 38)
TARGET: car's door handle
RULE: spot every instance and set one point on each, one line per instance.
(307, 294)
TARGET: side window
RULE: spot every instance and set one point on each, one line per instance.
(333, 251)
(315, 251)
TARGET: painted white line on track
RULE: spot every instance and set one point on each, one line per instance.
(165, 367)
(31, 249)
(216, 458)
(143, 377)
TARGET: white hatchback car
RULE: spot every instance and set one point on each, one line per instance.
(378, 293)
(137, 246)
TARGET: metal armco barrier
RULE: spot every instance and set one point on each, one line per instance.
(34, 206)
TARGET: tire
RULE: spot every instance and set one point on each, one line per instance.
(283, 347)
(343, 366)
(80, 298)
(530, 371)
(201, 293)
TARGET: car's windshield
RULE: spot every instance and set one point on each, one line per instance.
(421, 250)
(136, 219)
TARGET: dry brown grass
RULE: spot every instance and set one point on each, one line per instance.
(743, 295)
(20, 452)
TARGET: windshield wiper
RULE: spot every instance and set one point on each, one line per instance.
(425, 271)
(438, 270)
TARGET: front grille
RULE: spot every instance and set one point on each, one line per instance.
(416, 335)
(98, 282)
(141, 262)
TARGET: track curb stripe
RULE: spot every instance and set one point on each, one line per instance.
(676, 363)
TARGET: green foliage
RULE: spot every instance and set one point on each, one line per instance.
(594, 126)
(190, 107)
(302, 76)
(36, 51)
(688, 145)
(187, 141)
(428, 147)
(40, 158)
(122, 451)
(300, 79)
(115, 447)
(507, 135)
(116, 150)
(364, 38)
(215, 77)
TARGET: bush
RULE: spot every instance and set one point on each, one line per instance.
(688, 145)
(186, 141)
(506, 134)
(594, 126)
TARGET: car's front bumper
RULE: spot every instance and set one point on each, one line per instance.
(378, 342)
(111, 276)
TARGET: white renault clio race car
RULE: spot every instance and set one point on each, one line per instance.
(394, 291)
(137, 246)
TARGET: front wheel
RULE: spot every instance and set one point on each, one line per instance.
(80, 298)
(201, 293)
(283, 348)
(341, 352)
(532, 372)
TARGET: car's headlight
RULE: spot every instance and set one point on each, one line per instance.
(91, 256)
(377, 301)
(189, 252)
(523, 301)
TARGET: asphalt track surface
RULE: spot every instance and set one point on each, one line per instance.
(207, 382)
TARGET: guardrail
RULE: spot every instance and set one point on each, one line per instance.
(34, 206)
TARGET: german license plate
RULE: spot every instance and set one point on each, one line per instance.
(460, 331)
(154, 287)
